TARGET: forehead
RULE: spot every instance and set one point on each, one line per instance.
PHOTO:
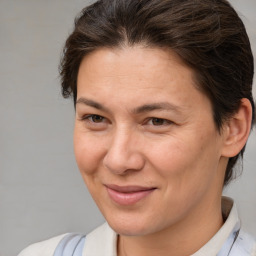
(137, 74)
(135, 63)
(140, 52)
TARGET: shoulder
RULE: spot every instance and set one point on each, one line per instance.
(103, 234)
(44, 248)
(245, 245)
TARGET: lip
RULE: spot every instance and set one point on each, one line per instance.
(128, 195)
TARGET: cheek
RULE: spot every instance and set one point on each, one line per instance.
(88, 153)
(186, 164)
(170, 157)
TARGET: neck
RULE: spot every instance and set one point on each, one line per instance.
(194, 232)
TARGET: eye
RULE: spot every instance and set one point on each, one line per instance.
(94, 121)
(95, 118)
(159, 121)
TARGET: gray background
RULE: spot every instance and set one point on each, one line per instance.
(41, 192)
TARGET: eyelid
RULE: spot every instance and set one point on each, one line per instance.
(166, 121)
(89, 124)
(87, 117)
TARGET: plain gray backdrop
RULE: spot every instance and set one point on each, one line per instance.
(41, 192)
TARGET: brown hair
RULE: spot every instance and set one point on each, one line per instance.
(208, 35)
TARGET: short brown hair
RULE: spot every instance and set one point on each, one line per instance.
(208, 35)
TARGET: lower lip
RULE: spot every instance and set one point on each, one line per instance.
(128, 198)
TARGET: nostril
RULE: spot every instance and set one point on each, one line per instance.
(121, 164)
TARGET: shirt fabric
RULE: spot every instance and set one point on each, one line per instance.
(229, 240)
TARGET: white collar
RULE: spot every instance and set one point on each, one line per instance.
(231, 225)
(101, 241)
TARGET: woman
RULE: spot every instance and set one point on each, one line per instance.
(164, 107)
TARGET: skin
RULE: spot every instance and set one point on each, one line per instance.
(140, 121)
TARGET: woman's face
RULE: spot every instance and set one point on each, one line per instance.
(145, 140)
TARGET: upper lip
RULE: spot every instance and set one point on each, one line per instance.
(129, 188)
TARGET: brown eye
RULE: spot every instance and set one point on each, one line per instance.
(96, 118)
(158, 121)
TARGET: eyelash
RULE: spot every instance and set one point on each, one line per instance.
(89, 118)
(149, 121)
(163, 121)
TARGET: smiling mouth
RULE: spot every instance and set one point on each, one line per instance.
(128, 195)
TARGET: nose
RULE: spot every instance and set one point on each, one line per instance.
(123, 154)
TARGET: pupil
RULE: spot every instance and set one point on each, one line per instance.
(97, 119)
(157, 121)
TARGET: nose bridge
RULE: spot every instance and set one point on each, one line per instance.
(123, 153)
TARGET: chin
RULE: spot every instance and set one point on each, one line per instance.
(130, 227)
(126, 230)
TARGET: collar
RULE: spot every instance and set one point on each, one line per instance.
(223, 239)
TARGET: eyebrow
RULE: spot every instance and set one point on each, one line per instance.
(92, 103)
(139, 110)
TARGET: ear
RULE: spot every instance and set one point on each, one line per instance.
(237, 129)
